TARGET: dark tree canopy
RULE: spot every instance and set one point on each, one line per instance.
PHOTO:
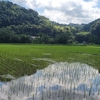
(95, 29)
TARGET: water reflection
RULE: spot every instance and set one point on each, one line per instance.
(1, 84)
(59, 81)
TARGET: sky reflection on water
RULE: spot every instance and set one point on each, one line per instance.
(58, 81)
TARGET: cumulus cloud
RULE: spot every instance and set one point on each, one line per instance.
(65, 11)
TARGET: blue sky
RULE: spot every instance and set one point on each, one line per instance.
(64, 11)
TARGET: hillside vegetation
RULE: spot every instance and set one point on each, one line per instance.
(19, 25)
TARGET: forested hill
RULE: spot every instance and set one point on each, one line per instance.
(21, 25)
(17, 21)
(12, 14)
(89, 26)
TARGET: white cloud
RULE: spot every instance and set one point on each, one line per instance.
(65, 11)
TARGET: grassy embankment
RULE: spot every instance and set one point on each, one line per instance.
(20, 60)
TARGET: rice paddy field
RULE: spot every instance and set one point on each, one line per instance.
(18, 60)
(49, 72)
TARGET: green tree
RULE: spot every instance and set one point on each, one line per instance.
(24, 38)
(64, 38)
(94, 39)
(81, 37)
(6, 35)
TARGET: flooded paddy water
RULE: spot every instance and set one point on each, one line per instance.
(58, 81)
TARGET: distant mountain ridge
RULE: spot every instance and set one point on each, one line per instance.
(76, 25)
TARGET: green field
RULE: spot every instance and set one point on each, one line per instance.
(24, 59)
